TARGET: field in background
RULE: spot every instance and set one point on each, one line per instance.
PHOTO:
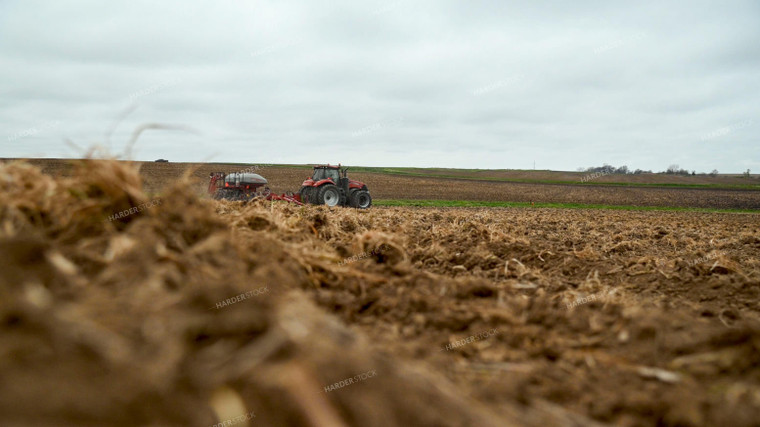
(475, 186)
(575, 178)
(728, 181)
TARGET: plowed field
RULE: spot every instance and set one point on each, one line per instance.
(187, 311)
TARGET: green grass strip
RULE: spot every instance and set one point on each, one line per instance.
(484, 204)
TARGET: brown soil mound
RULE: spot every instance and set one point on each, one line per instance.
(187, 311)
(139, 320)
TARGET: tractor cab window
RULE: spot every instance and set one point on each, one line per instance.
(321, 174)
(332, 173)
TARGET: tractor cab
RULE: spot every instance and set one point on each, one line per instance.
(325, 172)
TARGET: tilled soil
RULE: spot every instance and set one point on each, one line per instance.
(193, 312)
(629, 318)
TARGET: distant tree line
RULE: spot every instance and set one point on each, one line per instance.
(623, 170)
(609, 169)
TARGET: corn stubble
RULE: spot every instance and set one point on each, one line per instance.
(114, 322)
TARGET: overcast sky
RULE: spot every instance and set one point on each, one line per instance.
(470, 84)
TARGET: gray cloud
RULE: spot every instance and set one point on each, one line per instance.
(488, 84)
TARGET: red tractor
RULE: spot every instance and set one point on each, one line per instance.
(326, 186)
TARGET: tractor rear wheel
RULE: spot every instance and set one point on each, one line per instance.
(361, 199)
(306, 193)
(329, 195)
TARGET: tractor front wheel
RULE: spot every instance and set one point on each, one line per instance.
(361, 199)
(329, 195)
(352, 197)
